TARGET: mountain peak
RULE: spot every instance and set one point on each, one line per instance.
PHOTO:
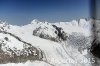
(35, 21)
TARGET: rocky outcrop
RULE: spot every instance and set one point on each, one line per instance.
(9, 52)
(60, 33)
(51, 32)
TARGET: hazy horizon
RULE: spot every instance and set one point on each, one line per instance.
(22, 12)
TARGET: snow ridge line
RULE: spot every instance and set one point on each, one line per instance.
(19, 39)
(42, 54)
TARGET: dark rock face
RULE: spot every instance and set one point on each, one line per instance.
(61, 34)
(43, 34)
(95, 48)
(23, 57)
(6, 38)
(56, 33)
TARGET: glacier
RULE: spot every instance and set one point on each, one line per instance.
(39, 43)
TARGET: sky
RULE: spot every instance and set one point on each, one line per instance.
(21, 12)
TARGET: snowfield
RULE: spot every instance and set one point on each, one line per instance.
(47, 44)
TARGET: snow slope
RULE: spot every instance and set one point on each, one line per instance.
(71, 52)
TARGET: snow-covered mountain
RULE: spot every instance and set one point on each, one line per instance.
(46, 44)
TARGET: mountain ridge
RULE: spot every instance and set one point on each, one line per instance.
(54, 52)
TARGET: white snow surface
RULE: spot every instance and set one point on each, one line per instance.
(56, 53)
